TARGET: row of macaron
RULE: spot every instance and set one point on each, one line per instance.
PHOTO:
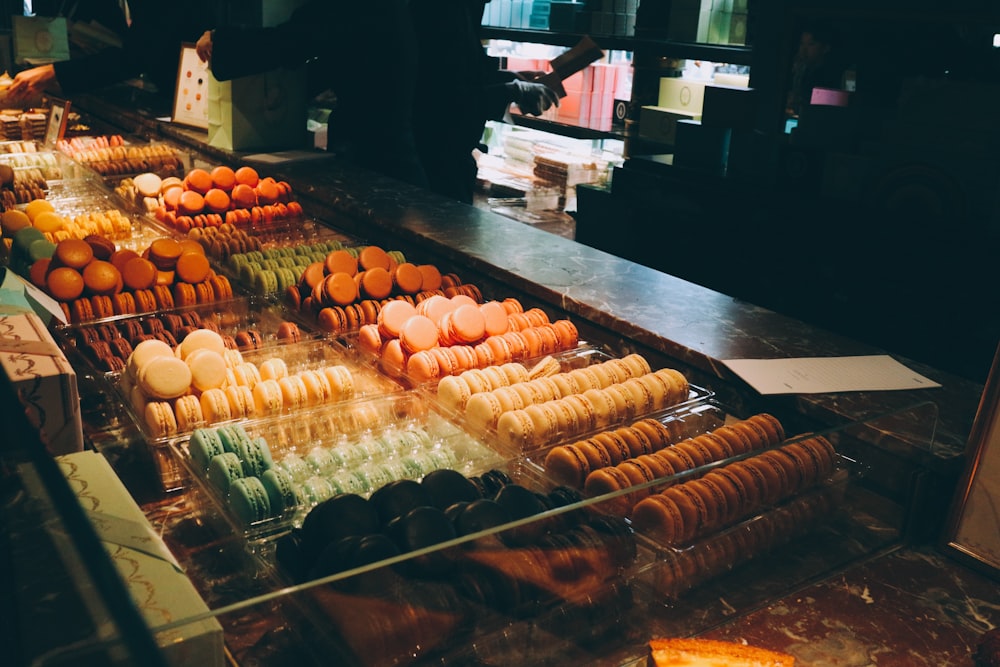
(722, 551)
(109, 344)
(649, 449)
(227, 454)
(176, 274)
(41, 215)
(108, 155)
(484, 403)
(554, 419)
(215, 290)
(201, 381)
(445, 505)
(693, 508)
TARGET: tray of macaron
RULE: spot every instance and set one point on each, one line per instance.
(211, 196)
(245, 324)
(112, 157)
(492, 551)
(565, 396)
(440, 335)
(200, 381)
(95, 278)
(265, 474)
(708, 488)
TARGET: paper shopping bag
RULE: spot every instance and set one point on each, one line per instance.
(260, 112)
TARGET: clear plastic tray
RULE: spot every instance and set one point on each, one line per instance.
(582, 356)
(353, 447)
(230, 318)
(305, 355)
(483, 603)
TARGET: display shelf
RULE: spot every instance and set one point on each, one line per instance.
(737, 55)
(566, 129)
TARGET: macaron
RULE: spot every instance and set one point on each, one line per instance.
(138, 273)
(198, 180)
(240, 399)
(223, 470)
(160, 419)
(294, 394)
(203, 446)
(188, 412)
(232, 435)
(659, 516)
(568, 465)
(215, 406)
(198, 339)
(255, 455)
(64, 283)
(145, 351)
(208, 369)
(281, 490)
(164, 378)
(267, 397)
(249, 500)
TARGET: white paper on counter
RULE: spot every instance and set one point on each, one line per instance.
(822, 375)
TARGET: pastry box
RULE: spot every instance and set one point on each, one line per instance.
(161, 591)
(43, 379)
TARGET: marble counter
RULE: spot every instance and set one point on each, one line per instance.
(909, 608)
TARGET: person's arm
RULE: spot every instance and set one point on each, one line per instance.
(30, 82)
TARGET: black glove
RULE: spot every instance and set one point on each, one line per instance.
(531, 97)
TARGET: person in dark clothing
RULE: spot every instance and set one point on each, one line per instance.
(151, 38)
(462, 87)
(816, 65)
(362, 51)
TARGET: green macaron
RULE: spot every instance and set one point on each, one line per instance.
(255, 456)
(281, 490)
(203, 446)
(223, 470)
(249, 501)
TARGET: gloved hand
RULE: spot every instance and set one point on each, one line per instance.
(532, 98)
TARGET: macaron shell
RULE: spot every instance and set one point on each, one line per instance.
(208, 369)
(249, 500)
(160, 419)
(223, 470)
(165, 378)
(267, 397)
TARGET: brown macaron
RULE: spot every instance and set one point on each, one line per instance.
(567, 464)
(659, 517)
(73, 253)
(64, 283)
(102, 277)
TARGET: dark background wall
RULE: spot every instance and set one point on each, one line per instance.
(880, 220)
